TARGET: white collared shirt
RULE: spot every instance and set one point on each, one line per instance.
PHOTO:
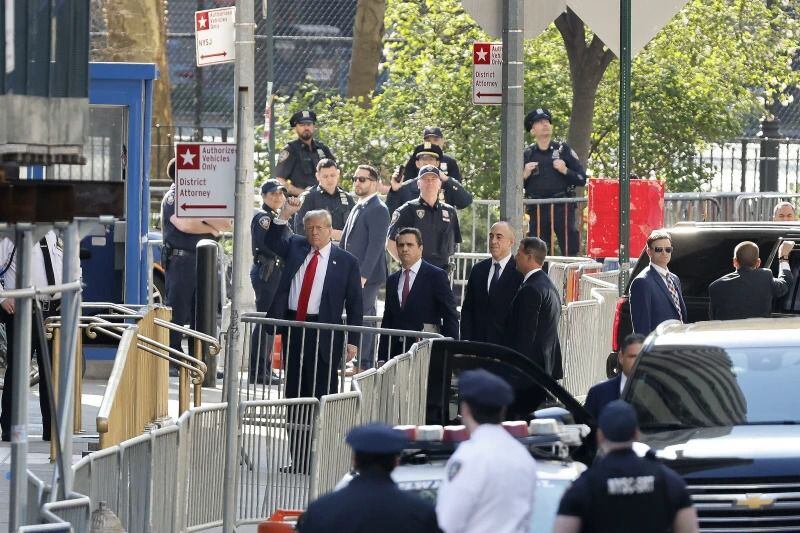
(412, 276)
(319, 281)
(623, 379)
(503, 262)
(529, 274)
(662, 271)
(39, 276)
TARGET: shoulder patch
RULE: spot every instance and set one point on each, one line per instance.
(395, 216)
(264, 222)
(453, 469)
(283, 156)
(170, 197)
(573, 153)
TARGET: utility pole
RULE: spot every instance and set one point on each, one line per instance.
(624, 140)
(512, 115)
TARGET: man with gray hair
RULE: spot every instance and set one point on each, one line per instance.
(784, 212)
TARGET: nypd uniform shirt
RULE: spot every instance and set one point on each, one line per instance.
(39, 277)
(297, 162)
(488, 485)
(339, 204)
(172, 235)
(437, 223)
(547, 181)
(258, 230)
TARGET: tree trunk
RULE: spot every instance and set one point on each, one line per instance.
(137, 32)
(367, 48)
(587, 64)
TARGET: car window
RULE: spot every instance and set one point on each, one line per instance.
(708, 386)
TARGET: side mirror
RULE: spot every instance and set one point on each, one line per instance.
(559, 413)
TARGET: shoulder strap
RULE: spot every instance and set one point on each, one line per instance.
(48, 263)
(8, 265)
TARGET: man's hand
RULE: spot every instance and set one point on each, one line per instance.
(528, 169)
(291, 207)
(397, 180)
(363, 282)
(559, 165)
(352, 350)
(8, 305)
(786, 248)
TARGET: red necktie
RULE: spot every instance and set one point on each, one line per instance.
(305, 289)
(406, 288)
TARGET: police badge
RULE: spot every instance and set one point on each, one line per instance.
(321, 153)
(421, 213)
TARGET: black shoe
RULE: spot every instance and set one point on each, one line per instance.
(46, 436)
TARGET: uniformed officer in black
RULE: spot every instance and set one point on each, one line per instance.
(623, 492)
(181, 236)
(328, 196)
(448, 164)
(436, 220)
(452, 192)
(371, 502)
(551, 170)
(265, 275)
(298, 160)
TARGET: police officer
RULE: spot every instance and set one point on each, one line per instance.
(623, 492)
(298, 160)
(436, 220)
(328, 196)
(265, 274)
(371, 501)
(427, 153)
(181, 236)
(490, 480)
(433, 135)
(551, 170)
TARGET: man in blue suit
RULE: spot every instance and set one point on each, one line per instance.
(319, 282)
(655, 294)
(606, 392)
(418, 297)
(364, 235)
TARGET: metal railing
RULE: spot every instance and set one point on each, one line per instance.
(759, 206)
(338, 413)
(72, 513)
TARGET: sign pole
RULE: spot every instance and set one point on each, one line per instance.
(624, 140)
(512, 140)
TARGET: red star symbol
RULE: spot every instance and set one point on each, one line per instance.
(482, 53)
(201, 21)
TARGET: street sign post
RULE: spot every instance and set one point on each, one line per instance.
(214, 36)
(487, 73)
(205, 175)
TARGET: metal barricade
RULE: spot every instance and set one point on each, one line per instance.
(204, 452)
(98, 476)
(165, 458)
(607, 299)
(582, 365)
(759, 206)
(596, 279)
(463, 266)
(74, 511)
(338, 413)
(558, 269)
(416, 392)
(264, 483)
(367, 384)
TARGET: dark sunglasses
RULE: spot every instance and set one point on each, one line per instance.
(660, 249)
(362, 179)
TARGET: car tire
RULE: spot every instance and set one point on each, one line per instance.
(159, 289)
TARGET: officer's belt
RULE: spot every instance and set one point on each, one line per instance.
(177, 252)
(545, 196)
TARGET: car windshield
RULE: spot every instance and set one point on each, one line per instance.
(677, 387)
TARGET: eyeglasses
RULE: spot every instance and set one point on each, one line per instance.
(661, 249)
(361, 179)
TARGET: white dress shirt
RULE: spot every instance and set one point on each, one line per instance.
(503, 262)
(319, 281)
(529, 274)
(412, 276)
(39, 276)
(623, 379)
(489, 485)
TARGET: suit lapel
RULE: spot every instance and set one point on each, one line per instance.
(332, 272)
(659, 280)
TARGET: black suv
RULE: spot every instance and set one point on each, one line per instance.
(718, 402)
(702, 252)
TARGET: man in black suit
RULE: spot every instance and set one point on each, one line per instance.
(532, 327)
(785, 212)
(364, 235)
(491, 286)
(606, 392)
(418, 297)
(750, 291)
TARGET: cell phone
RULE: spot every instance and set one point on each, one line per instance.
(399, 173)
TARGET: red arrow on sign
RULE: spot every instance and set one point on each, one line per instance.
(481, 95)
(223, 54)
(187, 206)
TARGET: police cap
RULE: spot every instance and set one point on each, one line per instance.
(429, 169)
(432, 131)
(535, 115)
(427, 149)
(618, 421)
(303, 117)
(271, 186)
(484, 388)
(376, 438)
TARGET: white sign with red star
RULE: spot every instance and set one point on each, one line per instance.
(214, 36)
(487, 73)
(205, 179)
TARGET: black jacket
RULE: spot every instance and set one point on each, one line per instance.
(747, 293)
(482, 318)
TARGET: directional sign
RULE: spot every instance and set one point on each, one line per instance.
(214, 35)
(205, 179)
(487, 73)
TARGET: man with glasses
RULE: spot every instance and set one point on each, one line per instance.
(364, 236)
(656, 292)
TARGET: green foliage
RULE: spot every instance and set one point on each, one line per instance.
(712, 69)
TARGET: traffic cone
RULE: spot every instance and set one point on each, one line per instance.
(277, 352)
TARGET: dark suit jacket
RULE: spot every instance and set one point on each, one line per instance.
(483, 319)
(371, 502)
(747, 293)
(342, 286)
(366, 239)
(430, 301)
(601, 395)
(532, 326)
(651, 303)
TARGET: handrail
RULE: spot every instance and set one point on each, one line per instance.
(114, 381)
(214, 346)
(29, 292)
(259, 318)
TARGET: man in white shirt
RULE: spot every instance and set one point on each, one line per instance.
(491, 478)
